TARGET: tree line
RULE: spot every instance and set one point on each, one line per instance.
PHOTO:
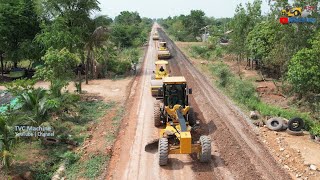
(286, 52)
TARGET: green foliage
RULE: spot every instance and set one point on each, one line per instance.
(7, 139)
(70, 157)
(129, 30)
(315, 129)
(200, 51)
(128, 18)
(94, 166)
(20, 86)
(243, 92)
(186, 28)
(36, 104)
(304, 69)
(223, 73)
(19, 24)
(88, 110)
(58, 68)
(261, 40)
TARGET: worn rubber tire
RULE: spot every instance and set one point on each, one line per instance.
(274, 124)
(295, 133)
(295, 124)
(205, 154)
(163, 151)
(156, 114)
(284, 126)
(191, 118)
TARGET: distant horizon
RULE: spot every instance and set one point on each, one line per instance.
(150, 9)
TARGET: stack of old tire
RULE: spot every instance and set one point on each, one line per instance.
(293, 126)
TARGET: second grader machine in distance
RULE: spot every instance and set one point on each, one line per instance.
(155, 36)
(163, 52)
(161, 71)
(174, 112)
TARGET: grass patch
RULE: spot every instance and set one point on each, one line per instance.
(92, 111)
(90, 169)
(72, 128)
(243, 93)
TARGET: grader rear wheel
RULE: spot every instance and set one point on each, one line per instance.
(205, 154)
(156, 114)
(163, 151)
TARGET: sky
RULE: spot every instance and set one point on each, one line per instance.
(165, 8)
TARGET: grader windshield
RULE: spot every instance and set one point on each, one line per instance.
(175, 94)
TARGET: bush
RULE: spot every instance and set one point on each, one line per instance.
(70, 157)
(243, 92)
(223, 73)
(200, 51)
(18, 87)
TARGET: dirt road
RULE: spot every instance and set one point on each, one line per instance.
(237, 152)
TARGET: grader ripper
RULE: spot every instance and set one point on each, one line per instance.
(174, 112)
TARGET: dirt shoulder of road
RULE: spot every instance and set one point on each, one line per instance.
(295, 153)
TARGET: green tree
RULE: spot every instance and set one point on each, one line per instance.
(128, 18)
(242, 23)
(18, 26)
(58, 69)
(195, 21)
(304, 69)
(7, 138)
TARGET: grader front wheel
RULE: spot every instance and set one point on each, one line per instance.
(205, 153)
(163, 151)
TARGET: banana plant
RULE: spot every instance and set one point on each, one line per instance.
(7, 140)
(35, 103)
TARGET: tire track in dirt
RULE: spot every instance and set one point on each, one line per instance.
(236, 147)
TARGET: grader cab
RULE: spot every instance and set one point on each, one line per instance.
(174, 112)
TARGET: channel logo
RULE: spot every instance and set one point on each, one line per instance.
(289, 20)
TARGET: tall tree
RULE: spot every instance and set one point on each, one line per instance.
(195, 21)
(19, 24)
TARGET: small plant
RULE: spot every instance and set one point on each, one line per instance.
(18, 87)
(315, 130)
(70, 157)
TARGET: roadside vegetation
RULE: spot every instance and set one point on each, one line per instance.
(285, 54)
(61, 43)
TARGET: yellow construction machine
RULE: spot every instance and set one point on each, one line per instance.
(155, 36)
(291, 12)
(163, 52)
(161, 71)
(174, 112)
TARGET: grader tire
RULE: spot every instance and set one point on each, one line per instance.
(163, 151)
(156, 114)
(191, 118)
(205, 154)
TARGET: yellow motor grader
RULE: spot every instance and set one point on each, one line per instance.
(174, 112)
(155, 36)
(161, 71)
(163, 52)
